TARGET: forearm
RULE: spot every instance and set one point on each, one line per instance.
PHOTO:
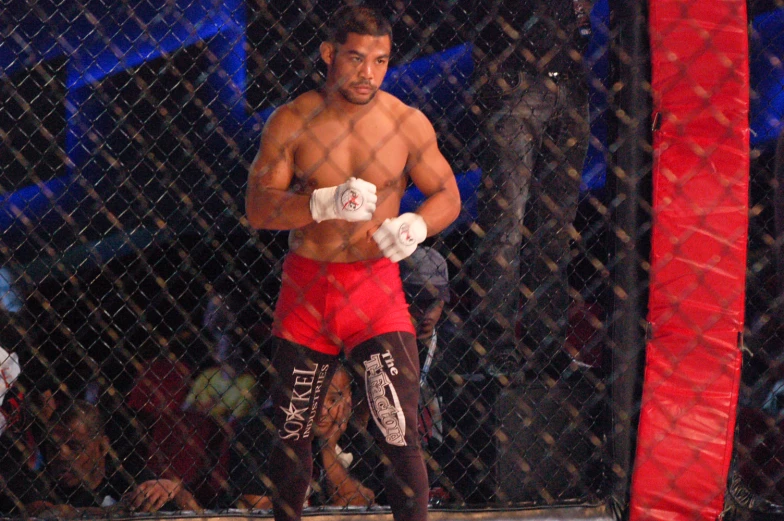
(440, 210)
(186, 501)
(47, 510)
(254, 502)
(344, 489)
(272, 209)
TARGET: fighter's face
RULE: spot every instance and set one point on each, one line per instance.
(356, 68)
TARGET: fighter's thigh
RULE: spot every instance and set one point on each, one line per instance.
(301, 377)
(388, 369)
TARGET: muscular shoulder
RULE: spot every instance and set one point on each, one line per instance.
(308, 105)
(294, 114)
(394, 106)
(412, 122)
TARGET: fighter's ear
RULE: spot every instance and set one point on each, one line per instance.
(328, 51)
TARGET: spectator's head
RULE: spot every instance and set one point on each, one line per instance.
(426, 284)
(45, 396)
(336, 409)
(76, 446)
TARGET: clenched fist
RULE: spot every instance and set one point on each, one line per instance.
(398, 238)
(354, 200)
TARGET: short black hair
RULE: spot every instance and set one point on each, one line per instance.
(359, 20)
(83, 411)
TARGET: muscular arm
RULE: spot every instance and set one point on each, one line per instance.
(269, 204)
(431, 173)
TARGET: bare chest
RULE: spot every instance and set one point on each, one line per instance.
(329, 153)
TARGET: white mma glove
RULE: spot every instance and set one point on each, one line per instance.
(398, 238)
(354, 200)
(9, 371)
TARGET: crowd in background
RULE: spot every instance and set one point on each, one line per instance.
(191, 429)
(173, 413)
(142, 384)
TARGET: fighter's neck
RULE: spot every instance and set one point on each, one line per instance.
(334, 101)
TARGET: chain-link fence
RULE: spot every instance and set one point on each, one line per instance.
(135, 284)
(756, 474)
(139, 301)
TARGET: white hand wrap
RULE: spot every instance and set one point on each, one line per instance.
(398, 238)
(9, 371)
(354, 200)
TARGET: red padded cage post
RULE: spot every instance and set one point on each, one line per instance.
(700, 83)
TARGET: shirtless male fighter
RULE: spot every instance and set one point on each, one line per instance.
(332, 167)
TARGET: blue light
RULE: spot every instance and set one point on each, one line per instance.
(33, 202)
(767, 77)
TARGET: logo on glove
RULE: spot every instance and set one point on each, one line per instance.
(351, 200)
(405, 235)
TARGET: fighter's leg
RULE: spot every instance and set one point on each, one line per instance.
(389, 368)
(301, 378)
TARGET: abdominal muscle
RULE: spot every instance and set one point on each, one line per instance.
(342, 241)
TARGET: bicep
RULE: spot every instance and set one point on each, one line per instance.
(273, 165)
(427, 167)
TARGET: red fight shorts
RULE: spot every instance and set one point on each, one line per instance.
(330, 306)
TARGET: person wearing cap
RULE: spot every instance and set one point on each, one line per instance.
(426, 285)
(425, 278)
